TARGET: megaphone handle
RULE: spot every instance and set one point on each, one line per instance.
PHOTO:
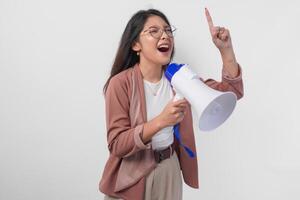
(178, 96)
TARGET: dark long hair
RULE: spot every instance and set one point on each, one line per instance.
(126, 57)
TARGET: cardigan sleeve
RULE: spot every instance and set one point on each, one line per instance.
(123, 140)
(228, 83)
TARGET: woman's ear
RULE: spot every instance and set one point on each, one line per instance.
(136, 46)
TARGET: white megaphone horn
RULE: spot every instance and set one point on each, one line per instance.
(212, 106)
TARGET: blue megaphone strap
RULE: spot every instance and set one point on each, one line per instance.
(177, 136)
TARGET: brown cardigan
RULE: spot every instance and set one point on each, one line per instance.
(130, 160)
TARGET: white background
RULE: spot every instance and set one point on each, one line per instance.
(55, 57)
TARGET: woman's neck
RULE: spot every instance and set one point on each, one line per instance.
(151, 72)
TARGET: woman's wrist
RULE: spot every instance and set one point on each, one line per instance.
(228, 55)
(151, 128)
(158, 123)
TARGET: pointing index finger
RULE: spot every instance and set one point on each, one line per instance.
(209, 19)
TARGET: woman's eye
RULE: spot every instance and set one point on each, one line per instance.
(153, 31)
(168, 30)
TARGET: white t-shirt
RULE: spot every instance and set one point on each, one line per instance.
(157, 96)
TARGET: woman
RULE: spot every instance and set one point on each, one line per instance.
(145, 160)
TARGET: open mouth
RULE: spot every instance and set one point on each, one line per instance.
(164, 48)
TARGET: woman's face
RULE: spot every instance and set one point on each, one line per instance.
(154, 44)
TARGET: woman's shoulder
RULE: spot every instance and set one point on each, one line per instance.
(122, 80)
(123, 75)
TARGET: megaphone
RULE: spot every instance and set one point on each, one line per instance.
(212, 106)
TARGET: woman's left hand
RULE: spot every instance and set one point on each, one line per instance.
(222, 40)
(220, 35)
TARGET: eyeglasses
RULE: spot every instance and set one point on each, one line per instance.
(157, 32)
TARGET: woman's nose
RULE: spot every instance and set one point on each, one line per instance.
(164, 34)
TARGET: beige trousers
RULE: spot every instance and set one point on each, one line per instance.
(164, 182)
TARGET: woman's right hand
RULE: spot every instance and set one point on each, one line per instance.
(173, 112)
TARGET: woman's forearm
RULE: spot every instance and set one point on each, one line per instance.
(229, 62)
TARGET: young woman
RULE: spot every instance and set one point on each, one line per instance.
(145, 160)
